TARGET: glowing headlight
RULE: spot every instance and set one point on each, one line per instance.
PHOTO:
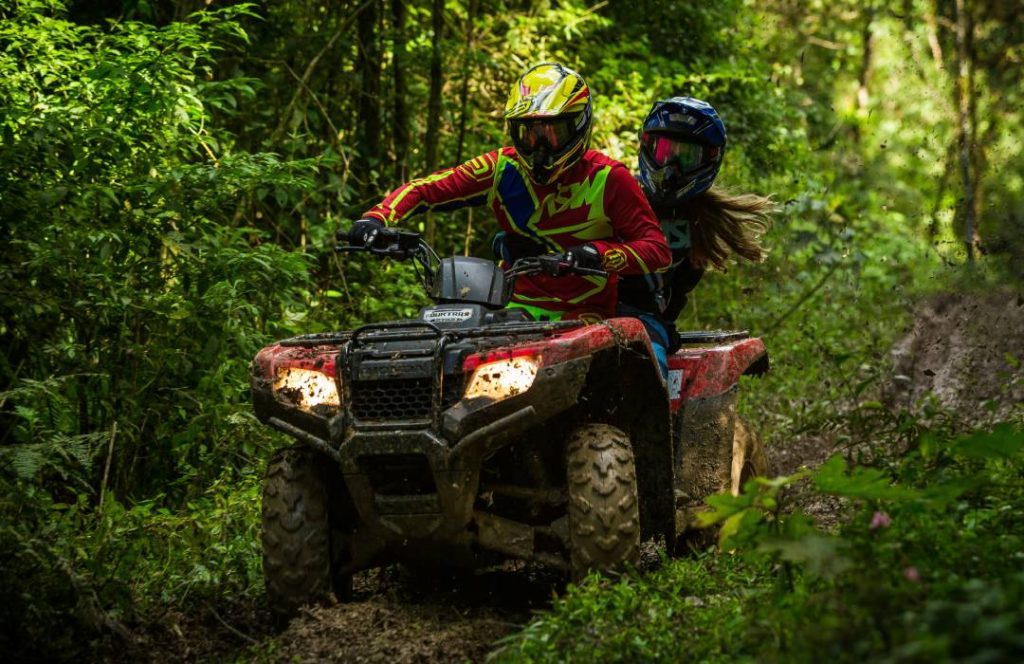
(306, 388)
(503, 378)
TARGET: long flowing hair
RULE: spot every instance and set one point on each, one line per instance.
(723, 223)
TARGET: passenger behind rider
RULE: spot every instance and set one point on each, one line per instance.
(549, 194)
(682, 144)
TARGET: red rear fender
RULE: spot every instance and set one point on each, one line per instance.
(705, 372)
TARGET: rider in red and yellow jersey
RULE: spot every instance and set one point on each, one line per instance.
(549, 194)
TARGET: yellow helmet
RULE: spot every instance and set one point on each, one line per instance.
(549, 117)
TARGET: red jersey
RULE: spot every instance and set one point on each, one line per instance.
(597, 201)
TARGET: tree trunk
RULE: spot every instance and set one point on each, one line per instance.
(436, 82)
(863, 98)
(976, 146)
(368, 54)
(434, 102)
(467, 70)
(400, 120)
(963, 93)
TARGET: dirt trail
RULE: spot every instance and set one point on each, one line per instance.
(966, 350)
(961, 349)
(401, 617)
(963, 353)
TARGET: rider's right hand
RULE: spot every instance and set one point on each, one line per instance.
(364, 231)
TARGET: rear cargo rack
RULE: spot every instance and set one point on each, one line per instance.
(713, 336)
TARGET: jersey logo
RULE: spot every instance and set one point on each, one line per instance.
(477, 168)
(678, 234)
(589, 192)
(614, 259)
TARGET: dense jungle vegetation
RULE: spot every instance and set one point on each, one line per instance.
(171, 176)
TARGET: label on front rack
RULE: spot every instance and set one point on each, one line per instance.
(447, 315)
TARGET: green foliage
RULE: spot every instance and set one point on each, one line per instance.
(169, 187)
(925, 567)
(72, 570)
(135, 292)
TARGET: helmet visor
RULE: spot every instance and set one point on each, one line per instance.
(554, 133)
(663, 150)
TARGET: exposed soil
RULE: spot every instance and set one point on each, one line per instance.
(966, 351)
(963, 354)
(405, 617)
(963, 350)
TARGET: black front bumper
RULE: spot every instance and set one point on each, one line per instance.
(439, 507)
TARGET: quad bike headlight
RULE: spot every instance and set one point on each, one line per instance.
(306, 388)
(502, 378)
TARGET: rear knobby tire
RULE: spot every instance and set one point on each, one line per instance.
(604, 511)
(296, 532)
(748, 457)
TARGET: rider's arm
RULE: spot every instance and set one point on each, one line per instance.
(450, 189)
(683, 279)
(639, 245)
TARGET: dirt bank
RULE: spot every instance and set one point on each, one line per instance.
(965, 350)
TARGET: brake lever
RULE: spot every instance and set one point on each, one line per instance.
(590, 271)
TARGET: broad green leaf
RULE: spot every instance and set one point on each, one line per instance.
(860, 482)
(1004, 441)
(821, 554)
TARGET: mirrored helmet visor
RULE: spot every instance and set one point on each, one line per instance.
(663, 150)
(554, 133)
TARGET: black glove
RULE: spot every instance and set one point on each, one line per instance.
(584, 255)
(510, 248)
(364, 231)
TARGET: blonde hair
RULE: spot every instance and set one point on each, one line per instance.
(722, 223)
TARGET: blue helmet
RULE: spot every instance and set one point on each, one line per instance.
(682, 143)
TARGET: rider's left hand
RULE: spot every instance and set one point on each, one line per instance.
(584, 255)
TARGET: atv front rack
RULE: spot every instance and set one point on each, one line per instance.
(423, 330)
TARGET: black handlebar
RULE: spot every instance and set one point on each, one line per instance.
(394, 243)
(387, 242)
(551, 265)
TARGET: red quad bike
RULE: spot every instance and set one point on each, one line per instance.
(472, 434)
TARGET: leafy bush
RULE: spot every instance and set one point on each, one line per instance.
(926, 568)
(135, 292)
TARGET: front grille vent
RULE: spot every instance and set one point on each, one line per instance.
(409, 399)
(399, 474)
(454, 387)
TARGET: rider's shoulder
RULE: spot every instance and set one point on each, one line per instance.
(600, 159)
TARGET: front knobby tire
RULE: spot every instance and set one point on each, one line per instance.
(296, 532)
(604, 510)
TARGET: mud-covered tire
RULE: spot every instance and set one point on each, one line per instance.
(295, 531)
(604, 511)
